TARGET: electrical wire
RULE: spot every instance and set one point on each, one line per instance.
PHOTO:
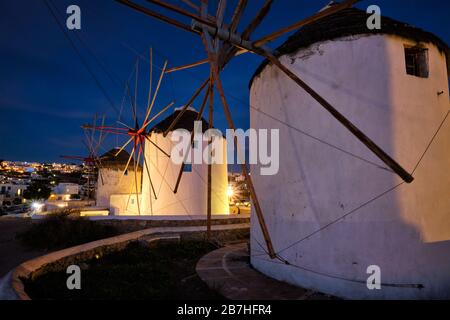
(52, 12)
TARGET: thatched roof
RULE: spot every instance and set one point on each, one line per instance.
(110, 161)
(350, 22)
(186, 122)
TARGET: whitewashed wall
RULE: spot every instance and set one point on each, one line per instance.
(109, 186)
(406, 232)
(191, 198)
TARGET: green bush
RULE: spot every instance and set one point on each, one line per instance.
(59, 231)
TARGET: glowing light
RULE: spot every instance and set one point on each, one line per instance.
(230, 192)
(37, 206)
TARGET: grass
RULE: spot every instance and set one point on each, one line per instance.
(163, 272)
(59, 231)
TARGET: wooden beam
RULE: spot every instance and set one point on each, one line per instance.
(238, 12)
(257, 20)
(381, 154)
(182, 11)
(188, 66)
(215, 72)
(219, 23)
(220, 12)
(197, 8)
(352, 128)
(191, 5)
(201, 62)
(158, 16)
(232, 51)
(199, 118)
(210, 121)
(319, 15)
(196, 94)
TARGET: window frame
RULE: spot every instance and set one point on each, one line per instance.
(420, 64)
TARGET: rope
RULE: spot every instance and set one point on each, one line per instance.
(430, 143)
(343, 217)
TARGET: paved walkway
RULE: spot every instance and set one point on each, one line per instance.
(228, 270)
(12, 253)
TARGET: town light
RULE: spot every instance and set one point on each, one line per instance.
(37, 206)
(230, 192)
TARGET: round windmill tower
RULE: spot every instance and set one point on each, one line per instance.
(335, 212)
(182, 189)
(113, 188)
(147, 181)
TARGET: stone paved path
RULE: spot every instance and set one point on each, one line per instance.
(228, 270)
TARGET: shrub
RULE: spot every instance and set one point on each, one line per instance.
(59, 231)
(164, 271)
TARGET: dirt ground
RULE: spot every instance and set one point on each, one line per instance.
(12, 253)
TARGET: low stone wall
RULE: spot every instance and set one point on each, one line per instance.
(59, 260)
(131, 225)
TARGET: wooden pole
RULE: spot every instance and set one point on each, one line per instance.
(188, 66)
(196, 94)
(238, 12)
(199, 118)
(335, 113)
(322, 14)
(210, 121)
(262, 13)
(197, 8)
(215, 72)
(157, 15)
(181, 11)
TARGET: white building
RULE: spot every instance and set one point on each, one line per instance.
(12, 189)
(191, 198)
(66, 189)
(192, 195)
(330, 214)
(110, 193)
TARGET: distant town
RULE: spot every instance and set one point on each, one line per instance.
(32, 187)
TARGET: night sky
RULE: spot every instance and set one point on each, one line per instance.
(46, 93)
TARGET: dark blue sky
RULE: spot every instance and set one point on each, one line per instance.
(46, 92)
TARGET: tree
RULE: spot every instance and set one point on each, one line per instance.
(37, 190)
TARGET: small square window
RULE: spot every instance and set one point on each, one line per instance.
(187, 167)
(416, 60)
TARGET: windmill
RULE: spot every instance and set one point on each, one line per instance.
(223, 42)
(137, 132)
(93, 142)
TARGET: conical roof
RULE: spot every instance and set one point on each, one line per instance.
(350, 22)
(185, 122)
(110, 160)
